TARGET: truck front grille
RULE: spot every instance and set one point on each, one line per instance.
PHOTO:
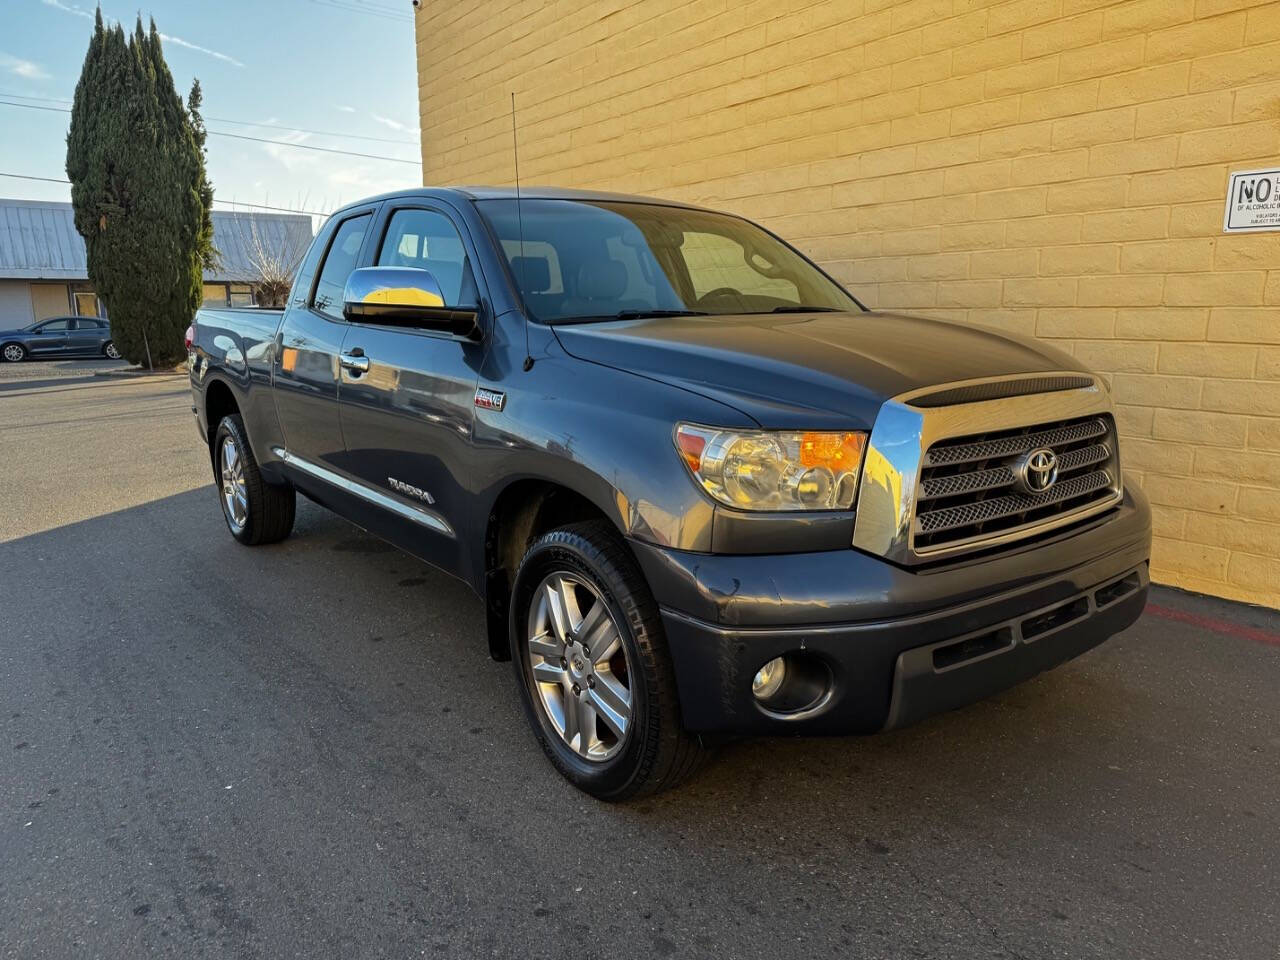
(968, 489)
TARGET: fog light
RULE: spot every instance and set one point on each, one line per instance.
(768, 679)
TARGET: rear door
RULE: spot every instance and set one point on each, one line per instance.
(85, 336)
(49, 338)
(307, 358)
(407, 420)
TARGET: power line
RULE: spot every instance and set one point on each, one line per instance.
(308, 146)
(32, 106)
(234, 203)
(244, 123)
(23, 96)
(263, 206)
(23, 176)
(318, 133)
(368, 10)
(241, 136)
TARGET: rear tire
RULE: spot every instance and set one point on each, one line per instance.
(256, 511)
(590, 562)
(13, 352)
(110, 352)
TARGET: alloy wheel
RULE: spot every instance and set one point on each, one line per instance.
(113, 352)
(235, 499)
(579, 666)
(13, 353)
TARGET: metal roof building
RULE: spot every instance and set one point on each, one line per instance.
(42, 258)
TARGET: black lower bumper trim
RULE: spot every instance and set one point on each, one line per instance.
(893, 672)
(942, 676)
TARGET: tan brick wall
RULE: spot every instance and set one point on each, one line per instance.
(1053, 167)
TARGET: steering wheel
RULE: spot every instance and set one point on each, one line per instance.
(719, 292)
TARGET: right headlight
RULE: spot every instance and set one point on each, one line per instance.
(772, 469)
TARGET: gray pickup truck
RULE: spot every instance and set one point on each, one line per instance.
(699, 489)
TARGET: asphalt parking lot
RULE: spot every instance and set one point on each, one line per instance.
(304, 751)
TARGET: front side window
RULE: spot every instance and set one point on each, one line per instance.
(338, 264)
(427, 240)
(591, 260)
(54, 326)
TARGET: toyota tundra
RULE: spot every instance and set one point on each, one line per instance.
(699, 489)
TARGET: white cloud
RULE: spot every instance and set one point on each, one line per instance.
(344, 108)
(22, 68)
(226, 58)
(293, 161)
(394, 124)
(356, 181)
(79, 11)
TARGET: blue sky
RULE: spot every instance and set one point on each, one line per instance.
(344, 66)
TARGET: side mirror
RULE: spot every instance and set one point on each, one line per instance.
(405, 297)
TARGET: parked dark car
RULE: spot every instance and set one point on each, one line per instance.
(699, 488)
(59, 337)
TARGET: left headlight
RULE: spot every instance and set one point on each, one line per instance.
(774, 470)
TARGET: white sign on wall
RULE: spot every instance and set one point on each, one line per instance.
(1253, 201)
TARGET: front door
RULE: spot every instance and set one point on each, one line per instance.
(407, 420)
(49, 338)
(306, 363)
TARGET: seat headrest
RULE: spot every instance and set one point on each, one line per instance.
(532, 273)
(602, 280)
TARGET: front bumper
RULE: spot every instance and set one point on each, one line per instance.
(899, 644)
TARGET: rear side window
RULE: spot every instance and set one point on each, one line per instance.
(429, 241)
(338, 264)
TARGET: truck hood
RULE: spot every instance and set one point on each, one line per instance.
(807, 371)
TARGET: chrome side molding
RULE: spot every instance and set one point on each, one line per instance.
(419, 515)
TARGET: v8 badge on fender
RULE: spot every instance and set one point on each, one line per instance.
(490, 399)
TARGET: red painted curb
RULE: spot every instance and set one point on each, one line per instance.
(1226, 627)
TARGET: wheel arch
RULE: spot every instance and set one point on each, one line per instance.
(523, 510)
(219, 401)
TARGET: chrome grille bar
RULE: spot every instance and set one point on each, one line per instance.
(1074, 460)
(995, 508)
(935, 488)
(953, 453)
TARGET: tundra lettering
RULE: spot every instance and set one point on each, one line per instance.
(409, 489)
(699, 489)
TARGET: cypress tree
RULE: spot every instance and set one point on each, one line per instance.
(139, 191)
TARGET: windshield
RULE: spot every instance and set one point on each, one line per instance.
(595, 260)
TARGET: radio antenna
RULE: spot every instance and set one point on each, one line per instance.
(515, 155)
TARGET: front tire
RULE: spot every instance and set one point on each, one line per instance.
(256, 512)
(13, 352)
(592, 665)
(111, 351)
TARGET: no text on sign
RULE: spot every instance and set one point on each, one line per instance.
(1253, 201)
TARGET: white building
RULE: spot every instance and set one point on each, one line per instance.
(42, 259)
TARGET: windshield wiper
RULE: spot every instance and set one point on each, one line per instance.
(639, 314)
(805, 308)
(629, 315)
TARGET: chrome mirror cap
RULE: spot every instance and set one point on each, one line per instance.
(373, 291)
(405, 297)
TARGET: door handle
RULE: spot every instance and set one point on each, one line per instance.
(355, 362)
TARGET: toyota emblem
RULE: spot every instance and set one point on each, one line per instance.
(1037, 471)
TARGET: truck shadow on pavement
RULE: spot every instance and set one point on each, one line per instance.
(230, 736)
